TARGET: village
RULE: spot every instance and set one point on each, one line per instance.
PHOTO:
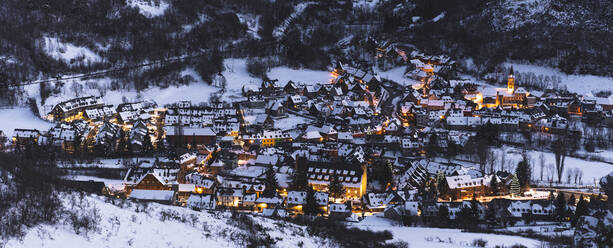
(345, 149)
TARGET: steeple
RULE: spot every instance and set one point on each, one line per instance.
(511, 81)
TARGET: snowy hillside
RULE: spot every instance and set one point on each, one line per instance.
(149, 8)
(235, 74)
(127, 224)
(69, 53)
(582, 84)
(440, 238)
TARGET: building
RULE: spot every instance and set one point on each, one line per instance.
(181, 136)
(74, 108)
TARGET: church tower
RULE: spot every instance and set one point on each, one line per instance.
(511, 81)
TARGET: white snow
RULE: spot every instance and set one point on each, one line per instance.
(366, 4)
(252, 22)
(397, 75)
(309, 77)
(438, 17)
(291, 122)
(582, 84)
(21, 118)
(592, 170)
(236, 75)
(149, 8)
(298, 9)
(68, 52)
(126, 227)
(438, 237)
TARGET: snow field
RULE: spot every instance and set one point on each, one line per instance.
(136, 226)
(439, 237)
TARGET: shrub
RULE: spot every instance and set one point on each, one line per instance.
(479, 243)
(349, 237)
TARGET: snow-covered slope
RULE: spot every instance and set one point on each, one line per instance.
(438, 237)
(149, 8)
(133, 225)
(68, 52)
(514, 14)
(20, 118)
(582, 84)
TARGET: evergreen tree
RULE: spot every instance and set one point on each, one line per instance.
(474, 208)
(311, 207)
(336, 189)
(432, 147)
(386, 175)
(515, 187)
(452, 149)
(299, 180)
(122, 146)
(528, 218)
(271, 183)
(572, 200)
(561, 205)
(494, 185)
(581, 210)
(443, 215)
(147, 145)
(607, 186)
(443, 187)
(465, 218)
(523, 173)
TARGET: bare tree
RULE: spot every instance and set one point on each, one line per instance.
(580, 173)
(542, 164)
(503, 159)
(550, 172)
(569, 175)
(560, 151)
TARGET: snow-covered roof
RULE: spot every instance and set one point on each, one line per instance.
(152, 195)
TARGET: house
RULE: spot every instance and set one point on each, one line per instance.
(229, 197)
(100, 113)
(25, 136)
(339, 211)
(268, 202)
(322, 199)
(465, 187)
(274, 212)
(199, 202)
(184, 136)
(139, 137)
(74, 108)
(151, 182)
(296, 198)
(202, 183)
(320, 174)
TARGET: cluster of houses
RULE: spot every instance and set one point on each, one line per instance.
(332, 132)
(87, 124)
(183, 183)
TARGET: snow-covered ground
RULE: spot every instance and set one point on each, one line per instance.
(129, 227)
(367, 4)
(20, 118)
(306, 76)
(592, 170)
(235, 72)
(149, 8)
(582, 84)
(252, 22)
(397, 75)
(298, 9)
(68, 52)
(438, 237)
